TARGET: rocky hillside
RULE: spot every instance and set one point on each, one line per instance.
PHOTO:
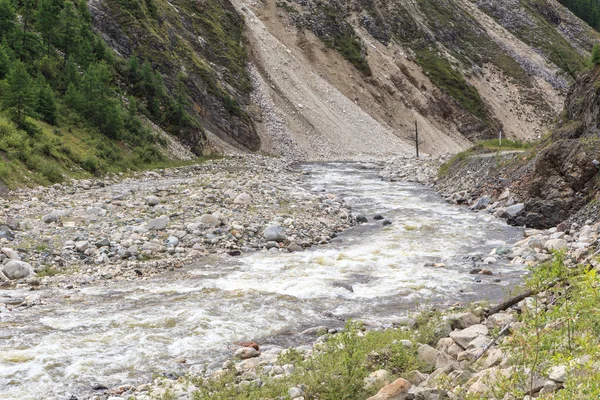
(324, 73)
(200, 42)
(556, 180)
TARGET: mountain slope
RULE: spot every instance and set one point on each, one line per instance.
(312, 80)
(463, 70)
(341, 79)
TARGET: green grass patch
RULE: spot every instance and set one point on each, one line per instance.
(340, 36)
(337, 368)
(52, 154)
(457, 158)
(506, 144)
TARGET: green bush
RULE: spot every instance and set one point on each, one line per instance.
(451, 81)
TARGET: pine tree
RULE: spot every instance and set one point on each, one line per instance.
(178, 108)
(72, 97)
(46, 103)
(596, 54)
(27, 11)
(5, 60)
(47, 21)
(8, 18)
(99, 104)
(18, 98)
(68, 27)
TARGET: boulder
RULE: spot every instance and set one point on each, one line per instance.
(295, 393)
(158, 224)
(377, 379)
(103, 242)
(294, 247)
(464, 337)
(16, 269)
(427, 355)
(50, 218)
(10, 253)
(246, 352)
(243, 198)
(361, 219)
(556, 245)
(397, 390)
(500, 320)
(81, 245)
(466, 320)
(558, 374)
(481, 203)
(152, 201)
(274, 233)
(154, 247)
(209, 219)
(513, 210)
(415, 377)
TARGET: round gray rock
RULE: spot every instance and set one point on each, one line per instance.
(243, 198)
(158, 224)
(209, 219)
(274, 233)
(17, 269)
(152, 201)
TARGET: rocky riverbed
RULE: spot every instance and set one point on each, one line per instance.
(472, 356)
(131, 227)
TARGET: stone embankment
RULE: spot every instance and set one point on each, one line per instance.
(122, 227)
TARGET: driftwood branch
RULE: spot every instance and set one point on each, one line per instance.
(516, 299)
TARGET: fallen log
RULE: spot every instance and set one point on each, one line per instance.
(520, 297)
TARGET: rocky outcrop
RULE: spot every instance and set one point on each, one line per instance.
(554, 181)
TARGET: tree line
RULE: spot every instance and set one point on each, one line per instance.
(54, 68)
(587, 10)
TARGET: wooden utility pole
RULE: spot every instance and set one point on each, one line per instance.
(417, 137)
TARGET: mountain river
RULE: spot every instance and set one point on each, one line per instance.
(126, 331)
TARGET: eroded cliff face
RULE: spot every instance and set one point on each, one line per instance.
(348, 79)
(564, 176)
(558, 180)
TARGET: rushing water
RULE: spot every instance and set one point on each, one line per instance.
(126, 331)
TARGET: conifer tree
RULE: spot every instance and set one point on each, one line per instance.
(5, 60)
(17, 96)
(99, 103)
(46, 103)
(178, 113)
(47, 21)
(68, 27)
(8, 18)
